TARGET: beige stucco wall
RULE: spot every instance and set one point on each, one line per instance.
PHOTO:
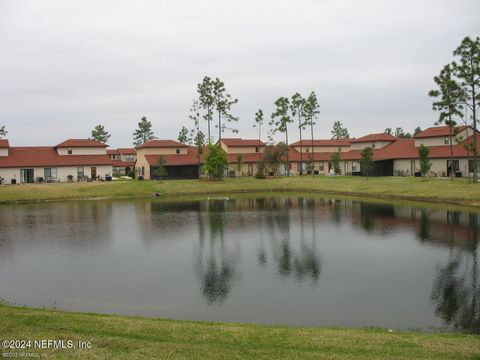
(160, 151)
(322, 149)
(241, 149)
(440, 140)
(4, 152)
(62, 172)
(83, 151)
(439, 166)
(372, 144)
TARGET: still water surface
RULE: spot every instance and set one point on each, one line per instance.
(280, 259)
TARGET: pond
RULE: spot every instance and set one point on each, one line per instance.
(277, 259)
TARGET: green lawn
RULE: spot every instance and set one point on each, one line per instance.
(118, 337)
(407, 188)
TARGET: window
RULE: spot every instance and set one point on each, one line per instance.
(129, 157)
(69, 151)
(339, 149)
(373, 145)
(470, 165)
(447, 141)
(80, 172)
(177, 151)
(50, 173)
(345, 167)
(354, 166)
(322, 166)
(256, 149)
(413, 168)
(307, 149)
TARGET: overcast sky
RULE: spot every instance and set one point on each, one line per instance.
(66, 66)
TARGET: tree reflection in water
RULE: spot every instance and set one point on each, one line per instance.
(216, 262)
(456, 290)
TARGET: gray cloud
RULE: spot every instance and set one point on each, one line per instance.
(67, 66)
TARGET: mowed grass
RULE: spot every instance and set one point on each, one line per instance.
(408, 188)
(118, 337)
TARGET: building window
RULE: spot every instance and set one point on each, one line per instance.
(470, 165)
(373, 145)
(129, 157)
(80, 172)
(177, 151)
(339, 149)
(50, 173)
(447, 141)
(307, 149)
(69, 151)
(322, 166)
(413, 168)
(256, 149)
(354, 166)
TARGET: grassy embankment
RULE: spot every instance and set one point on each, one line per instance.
(433, 190)
(118, 337)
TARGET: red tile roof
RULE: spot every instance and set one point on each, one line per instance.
(48, 156)
(238, 142)
(438, 131)
(80, 143)
(375, 137)
(326, 142)
(247, 158)
(161, 144)
(122, 151)
(120, 163)
(127, 151)
(4, 143)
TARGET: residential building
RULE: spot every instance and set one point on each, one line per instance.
(123, 160)
(71, 160)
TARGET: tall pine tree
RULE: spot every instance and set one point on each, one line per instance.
(143, 133)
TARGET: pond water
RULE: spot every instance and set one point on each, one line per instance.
(269, 259)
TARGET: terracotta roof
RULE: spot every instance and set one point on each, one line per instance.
(238, 142)
(375, 137)
(162, 143)
(437, 131)
(122, 151)
(127, 151)
(48, 156)
(120, 163)
(326, 142)
(4, 143)
(80, 143)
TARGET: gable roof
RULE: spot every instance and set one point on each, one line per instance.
(435, 131)
(80, 143)
(127, 151)
(4, 143)
(47, 156)
(375, 137)
(322, 142)
(161, 144)
(239, 142)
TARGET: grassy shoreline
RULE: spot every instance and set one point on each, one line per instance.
(445, 191)
(122, 337)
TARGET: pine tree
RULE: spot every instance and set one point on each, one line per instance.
(144, 132)
(3, 132)
(311, 111)
(280, 120)
(183, 136)
(339, 132)
(100, 134)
